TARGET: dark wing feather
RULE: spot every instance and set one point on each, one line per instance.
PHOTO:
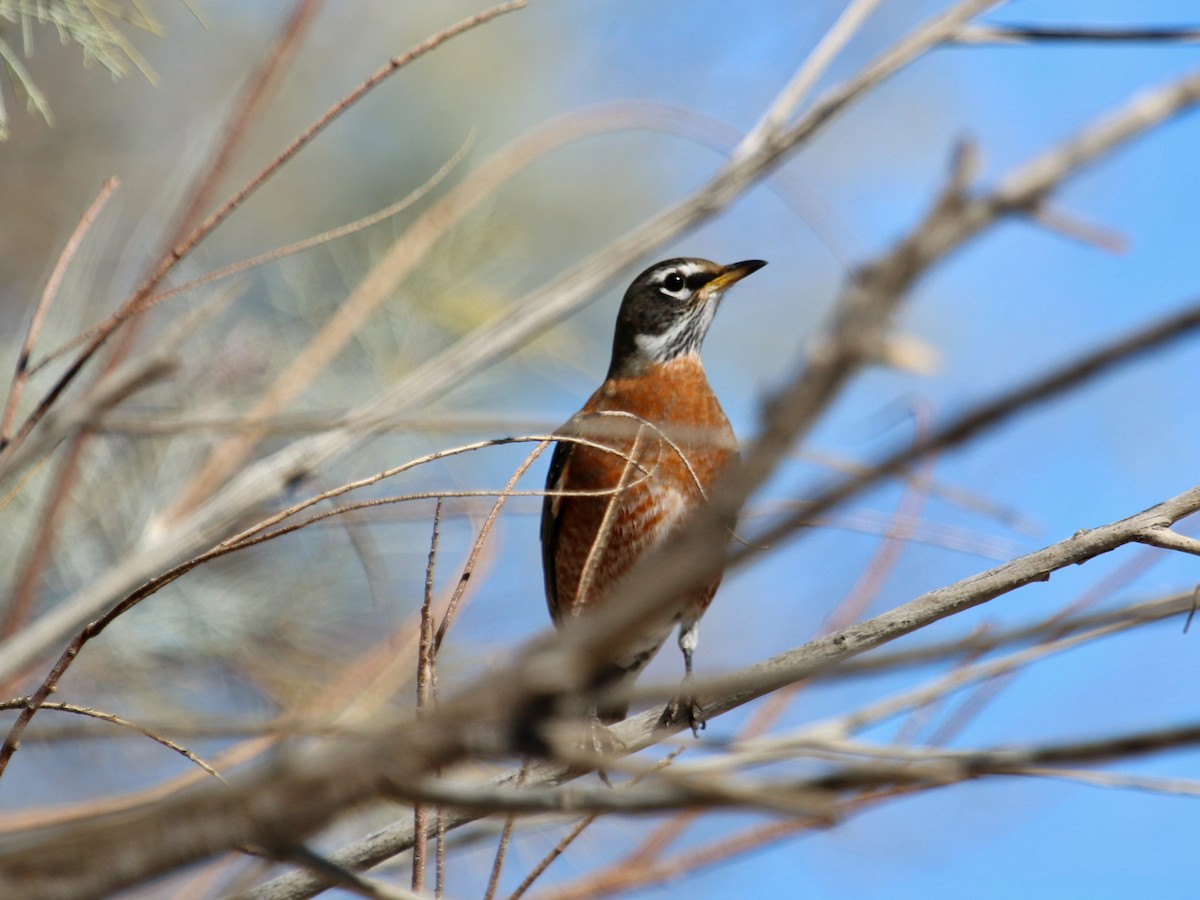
(551, 519)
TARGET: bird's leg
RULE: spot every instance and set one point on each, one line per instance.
(682, 707)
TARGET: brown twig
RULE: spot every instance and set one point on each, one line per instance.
(977, 644)
(425, 664)
(505, 837)
(440, 862)
(114, 719)
(469, 567)
(49, 292)
(21, 597)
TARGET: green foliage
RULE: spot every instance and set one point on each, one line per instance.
(95, 25)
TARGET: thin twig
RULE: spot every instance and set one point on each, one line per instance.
(974, 645)
(425, 664)
(469, 567)
(813, 67)
(592, 561)
(112, 718)
(505, 836)
(440, 858)
(1029, 34)
(49, 292)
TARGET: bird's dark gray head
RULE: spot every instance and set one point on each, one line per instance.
(667, 310)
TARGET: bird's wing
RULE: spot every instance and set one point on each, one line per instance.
(551, 517)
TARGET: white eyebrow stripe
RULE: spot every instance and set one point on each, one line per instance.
(686, 269)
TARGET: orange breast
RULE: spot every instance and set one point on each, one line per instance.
(661, 442)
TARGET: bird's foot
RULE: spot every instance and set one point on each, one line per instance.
(683, 709)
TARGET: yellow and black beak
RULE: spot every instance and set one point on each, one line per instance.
(733, 273)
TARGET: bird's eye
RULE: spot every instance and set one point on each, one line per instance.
(673, 282)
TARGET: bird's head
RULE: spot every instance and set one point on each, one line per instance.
(667, 310)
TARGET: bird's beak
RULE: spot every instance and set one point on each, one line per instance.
(733, 273)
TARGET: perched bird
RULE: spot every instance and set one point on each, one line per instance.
(646, 448)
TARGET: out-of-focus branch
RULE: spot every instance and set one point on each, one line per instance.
(975, 644)
(1034, 34)
(870, 766)
(22, 371)
(903, 765)
(114, 719)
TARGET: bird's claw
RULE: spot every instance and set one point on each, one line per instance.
(683, 709)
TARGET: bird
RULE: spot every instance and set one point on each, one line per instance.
(632, 463)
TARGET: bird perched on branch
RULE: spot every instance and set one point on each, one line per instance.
(641, 454)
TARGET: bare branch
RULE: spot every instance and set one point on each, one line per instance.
(1162, 536)
(114, 719)
(23, 369)
(973, 645)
